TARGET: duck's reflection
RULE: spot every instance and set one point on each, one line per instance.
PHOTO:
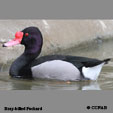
(92, 86)
(53, 85)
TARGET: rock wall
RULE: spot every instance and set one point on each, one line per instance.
(57, 34)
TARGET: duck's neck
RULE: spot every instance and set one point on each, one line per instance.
(21, 66)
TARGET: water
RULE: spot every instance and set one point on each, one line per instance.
(97, 49)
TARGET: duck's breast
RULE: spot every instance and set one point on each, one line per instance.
(56, 69)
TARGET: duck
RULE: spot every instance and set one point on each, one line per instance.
(52, 67)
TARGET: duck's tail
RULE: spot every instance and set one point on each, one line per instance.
(106, 60)
(93, 72)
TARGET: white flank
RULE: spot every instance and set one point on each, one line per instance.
(56, 69)
(92, 72)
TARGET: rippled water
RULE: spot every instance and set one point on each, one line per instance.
(98, 49)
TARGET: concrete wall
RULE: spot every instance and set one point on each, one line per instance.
(57, 34)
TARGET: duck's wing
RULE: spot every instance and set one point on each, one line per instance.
(84, 61)
(48, 58)
(79, 62)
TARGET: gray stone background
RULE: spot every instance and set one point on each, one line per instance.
(57, 34)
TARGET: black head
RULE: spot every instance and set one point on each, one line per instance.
(30, 37)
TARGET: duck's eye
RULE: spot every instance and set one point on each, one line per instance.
(26, 34)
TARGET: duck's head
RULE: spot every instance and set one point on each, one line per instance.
(30, 37)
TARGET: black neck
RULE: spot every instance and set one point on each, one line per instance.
(21, 66)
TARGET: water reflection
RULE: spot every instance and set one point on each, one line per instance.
(50, 85)
(92, 86)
